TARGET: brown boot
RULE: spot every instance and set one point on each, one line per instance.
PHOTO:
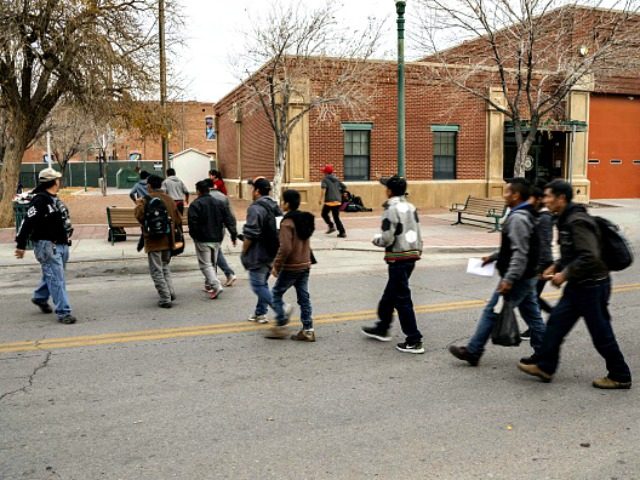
(535, 371)
(608, 384)
(277, 332)
(304, 336)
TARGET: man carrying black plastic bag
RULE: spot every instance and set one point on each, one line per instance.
(516, 260)
(505, 331)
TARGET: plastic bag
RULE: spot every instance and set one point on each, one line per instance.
(505, 331)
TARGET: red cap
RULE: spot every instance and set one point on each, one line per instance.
(328, 169)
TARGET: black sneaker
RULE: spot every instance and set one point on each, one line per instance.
(68, 319)
(532, 360)
(43, 305)
(410, 347)
(376, 333)
(330, 230)
(162, 304)
(342, 235)
(463, 354)
(526, 335)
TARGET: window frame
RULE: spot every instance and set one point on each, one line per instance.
(359, 149)
(444, 149)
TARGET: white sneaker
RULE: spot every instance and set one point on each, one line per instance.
(258, 318)
(231, 279)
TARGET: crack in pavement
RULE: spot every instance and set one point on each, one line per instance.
(29, 384)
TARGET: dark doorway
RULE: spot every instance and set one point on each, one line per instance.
(547, 156)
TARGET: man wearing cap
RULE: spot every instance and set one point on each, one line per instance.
(47, 224)
(331, 199)
(402, 241)
(260, 244)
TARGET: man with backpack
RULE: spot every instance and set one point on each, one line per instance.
(260, 245)
(208, 217)
(159, 217)
(331, 199)
(48, 226)
(291, 268)
(586, 294)
(517, 260)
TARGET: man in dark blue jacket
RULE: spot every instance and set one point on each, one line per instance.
(516, 260)
(260, 244)
(586, 294)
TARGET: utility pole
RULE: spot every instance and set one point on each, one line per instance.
(163, 90)
(400, 9)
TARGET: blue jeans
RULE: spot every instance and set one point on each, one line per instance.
(53, 258)
(523, 295)
(397, 296)
(224, 266)
(591, 302)
(258, 278)
(300, 280)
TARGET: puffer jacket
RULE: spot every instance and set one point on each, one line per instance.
(400, 236)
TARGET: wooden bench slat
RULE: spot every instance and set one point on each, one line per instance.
(480, 207)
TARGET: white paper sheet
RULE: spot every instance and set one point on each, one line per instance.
(475, 267)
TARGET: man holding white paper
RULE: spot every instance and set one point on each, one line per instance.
(516, 262)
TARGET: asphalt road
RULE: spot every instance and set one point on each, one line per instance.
(196, 392)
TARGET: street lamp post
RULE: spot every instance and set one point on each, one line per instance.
(400, 8)
(163, 88)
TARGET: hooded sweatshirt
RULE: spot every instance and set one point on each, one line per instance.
(295, 242)
(263, 210)
(175, 188)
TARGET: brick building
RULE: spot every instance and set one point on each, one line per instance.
(193, 127)
(456, 144)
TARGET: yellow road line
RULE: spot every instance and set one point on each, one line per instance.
(234, 327)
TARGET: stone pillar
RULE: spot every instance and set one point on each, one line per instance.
(578, 147)
(495, 146)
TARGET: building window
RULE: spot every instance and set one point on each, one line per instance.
(357, 141)
(444, 151)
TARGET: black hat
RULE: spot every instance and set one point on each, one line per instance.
(397, 185)
(260, 183)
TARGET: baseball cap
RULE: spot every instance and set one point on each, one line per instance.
(260, 183)
(397, 185)
(328, 169)
(48, 174)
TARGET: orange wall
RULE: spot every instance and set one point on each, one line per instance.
(614, 134)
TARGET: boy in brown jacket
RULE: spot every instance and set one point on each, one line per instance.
(159, 236)
(291, 267)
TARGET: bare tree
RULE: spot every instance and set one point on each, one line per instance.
(306, 59)
(76, 49)
(533, 51)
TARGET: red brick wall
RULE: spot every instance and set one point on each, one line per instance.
(426, 105)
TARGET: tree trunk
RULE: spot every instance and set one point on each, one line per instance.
(9, 180)
(521, 156)
(279, 174)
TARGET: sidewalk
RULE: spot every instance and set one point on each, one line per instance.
(440, 237)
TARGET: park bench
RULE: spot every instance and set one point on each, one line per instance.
(119, 218)
(484, 209)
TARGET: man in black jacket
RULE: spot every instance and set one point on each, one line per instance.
(586, 294)
(516, 260)
(208, 217)
(48, 225)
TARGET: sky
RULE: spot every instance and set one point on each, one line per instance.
(214, 33)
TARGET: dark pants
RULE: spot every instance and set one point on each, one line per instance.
(397, 296)
(544, 305)
(335, 212)
(591, 302)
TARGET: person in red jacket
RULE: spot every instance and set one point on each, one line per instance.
(218, 183)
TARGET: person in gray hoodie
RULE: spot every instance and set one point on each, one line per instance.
(517, 262)
(402, 241)
(176, 189)
(260, 244)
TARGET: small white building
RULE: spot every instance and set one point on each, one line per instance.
(191, 166)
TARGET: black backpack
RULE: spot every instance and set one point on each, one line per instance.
(156, 217)
(615, 250)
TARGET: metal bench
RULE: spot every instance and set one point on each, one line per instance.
(120, 218)
(489, 211)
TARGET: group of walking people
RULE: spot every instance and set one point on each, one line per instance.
(276, 242)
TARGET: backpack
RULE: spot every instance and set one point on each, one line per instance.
(156, 217)
(270, 237)
(615, 250)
